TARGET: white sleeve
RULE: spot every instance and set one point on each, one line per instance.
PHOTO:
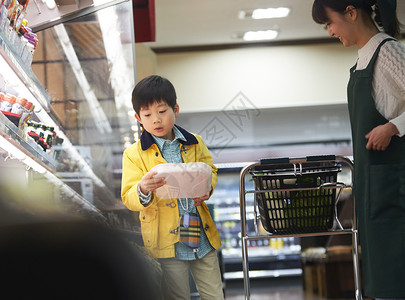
(391, 65)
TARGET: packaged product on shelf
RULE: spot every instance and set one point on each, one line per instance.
(3, 17)
(32, 127)
(11, 34)
(5, 4)
(30, 42)
(27, 53)
(10, 7)
(43, 144)
(42, 134)
(18, 14)
(2, 99)
(18, 106)
(6, 108)
(27, 113)
(14, 26)
(41, 130)
(49, 135)
(17, 11)
(8, 102)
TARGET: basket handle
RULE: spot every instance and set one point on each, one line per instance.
(286, 160)
(282, 160)
(321, 157)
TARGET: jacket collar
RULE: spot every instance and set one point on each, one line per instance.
(147, 139)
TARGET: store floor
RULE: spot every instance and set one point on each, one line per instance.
(270, 289)
(266, 289)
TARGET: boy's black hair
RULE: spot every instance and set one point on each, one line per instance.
(152, 89)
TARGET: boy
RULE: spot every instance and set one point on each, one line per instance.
(154, 102)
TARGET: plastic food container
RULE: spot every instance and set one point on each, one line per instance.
(184, 180)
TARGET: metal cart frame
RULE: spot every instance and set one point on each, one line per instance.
(334, 231)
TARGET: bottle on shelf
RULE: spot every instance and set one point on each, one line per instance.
(3, 15)
(10, 6)
(27, 113)
(2, 96)
(32, 126)
(8, 102)
(18, 106)
(49, 135)
(18, 14)
(14, 26)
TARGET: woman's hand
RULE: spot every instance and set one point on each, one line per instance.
(198, 201)
(380, 137)
(149, 183)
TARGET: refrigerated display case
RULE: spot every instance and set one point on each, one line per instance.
(84, 106)
(29, 165)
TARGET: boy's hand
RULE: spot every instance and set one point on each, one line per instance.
(149, 183)
(198, 201)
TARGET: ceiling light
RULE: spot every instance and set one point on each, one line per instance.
(265, 13)
(269, 13)
(260, 35)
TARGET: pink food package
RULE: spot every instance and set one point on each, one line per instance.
(184, 180)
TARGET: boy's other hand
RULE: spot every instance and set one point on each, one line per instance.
(199, 200)
(149, 183)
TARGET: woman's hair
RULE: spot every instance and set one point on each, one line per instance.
(370, 7)
(153, 89)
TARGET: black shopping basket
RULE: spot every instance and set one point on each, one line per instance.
(294, 198)
(297, 197)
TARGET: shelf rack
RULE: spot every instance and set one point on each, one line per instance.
(20, 77)
(15, 136)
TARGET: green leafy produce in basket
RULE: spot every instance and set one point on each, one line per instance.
(310, 208)
(304, 209)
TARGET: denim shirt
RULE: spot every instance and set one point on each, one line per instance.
(171, 152)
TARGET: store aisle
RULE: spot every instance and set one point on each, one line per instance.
(271, 289)
(282, 294)
(267, 289)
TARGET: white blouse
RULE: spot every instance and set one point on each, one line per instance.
(388, 78)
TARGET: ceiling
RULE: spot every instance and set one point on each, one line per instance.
(196, 23)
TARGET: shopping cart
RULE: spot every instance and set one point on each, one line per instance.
(296, 197)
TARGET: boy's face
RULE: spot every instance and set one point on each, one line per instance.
(158, 119)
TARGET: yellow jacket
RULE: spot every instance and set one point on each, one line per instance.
(160, 218)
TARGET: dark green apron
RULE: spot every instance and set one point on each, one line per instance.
(379, 188)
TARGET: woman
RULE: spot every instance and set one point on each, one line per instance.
(376, 98)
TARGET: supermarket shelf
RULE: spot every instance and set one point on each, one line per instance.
(23, 72)
(264, 273)
(15, 136)
(264, 262)
(236, 253)
(21, 77)
(18, 76)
